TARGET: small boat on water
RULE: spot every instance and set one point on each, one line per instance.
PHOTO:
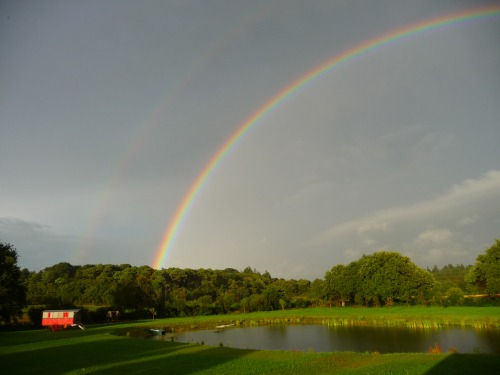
(155, 331)
(224, 326)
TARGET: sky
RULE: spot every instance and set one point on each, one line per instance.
(110, 110)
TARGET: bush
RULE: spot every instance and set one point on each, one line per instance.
(95, 315)
(455, 297)
(300, 302)
(35, 314)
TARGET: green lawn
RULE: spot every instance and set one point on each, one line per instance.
(108, 349)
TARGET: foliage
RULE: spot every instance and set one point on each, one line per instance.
(12, 291)
(383, 277)
(485, 274)
(273, 294)
(450, 276)
(455, 297)
(338, 283)
(170, 292)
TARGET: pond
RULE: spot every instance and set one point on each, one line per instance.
(357, 339)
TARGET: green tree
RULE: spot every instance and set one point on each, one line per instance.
(383, 277)
(485, 274)
(272, 294)
(317, 289)
(438, 293)
(282, 303)
(245, 304)
(338, 284)
(12, 290)
(133, 289)
(97, 284)
(257, 302)
(303, 286)
(390, 276)
(178, 300)
(205, 305)
(451, 276)
(342, 283)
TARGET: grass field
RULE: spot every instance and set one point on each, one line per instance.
(108, 349)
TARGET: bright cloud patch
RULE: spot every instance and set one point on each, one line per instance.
(428, 231)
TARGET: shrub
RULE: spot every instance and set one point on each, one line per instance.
(455, 297)
(35, 315)
(436, 349)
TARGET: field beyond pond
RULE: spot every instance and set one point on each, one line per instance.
(120, 348)
(417, 317)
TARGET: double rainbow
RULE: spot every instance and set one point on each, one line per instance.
(345, 57)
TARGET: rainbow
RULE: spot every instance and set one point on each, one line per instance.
(142, 135)
(345, 57)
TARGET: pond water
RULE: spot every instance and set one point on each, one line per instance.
(358, 339)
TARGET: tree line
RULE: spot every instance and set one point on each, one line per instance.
(382, 278)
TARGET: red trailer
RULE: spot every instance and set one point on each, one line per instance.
(61, 318)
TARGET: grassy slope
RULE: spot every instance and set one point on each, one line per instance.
(100, 350)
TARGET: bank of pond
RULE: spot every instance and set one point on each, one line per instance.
(385, 330)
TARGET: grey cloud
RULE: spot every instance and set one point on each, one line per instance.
(37, 244)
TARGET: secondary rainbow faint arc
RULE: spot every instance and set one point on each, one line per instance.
(344, 57)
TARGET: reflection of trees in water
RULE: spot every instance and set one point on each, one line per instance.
(398, 339)
(380, 339)
(357, 339)
(488, 338)
(277, 334)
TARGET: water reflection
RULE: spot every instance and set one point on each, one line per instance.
(358, 339)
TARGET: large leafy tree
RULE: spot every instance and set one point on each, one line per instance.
(12, 290)
(388, 275)
(379, 278)
(485, 274)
